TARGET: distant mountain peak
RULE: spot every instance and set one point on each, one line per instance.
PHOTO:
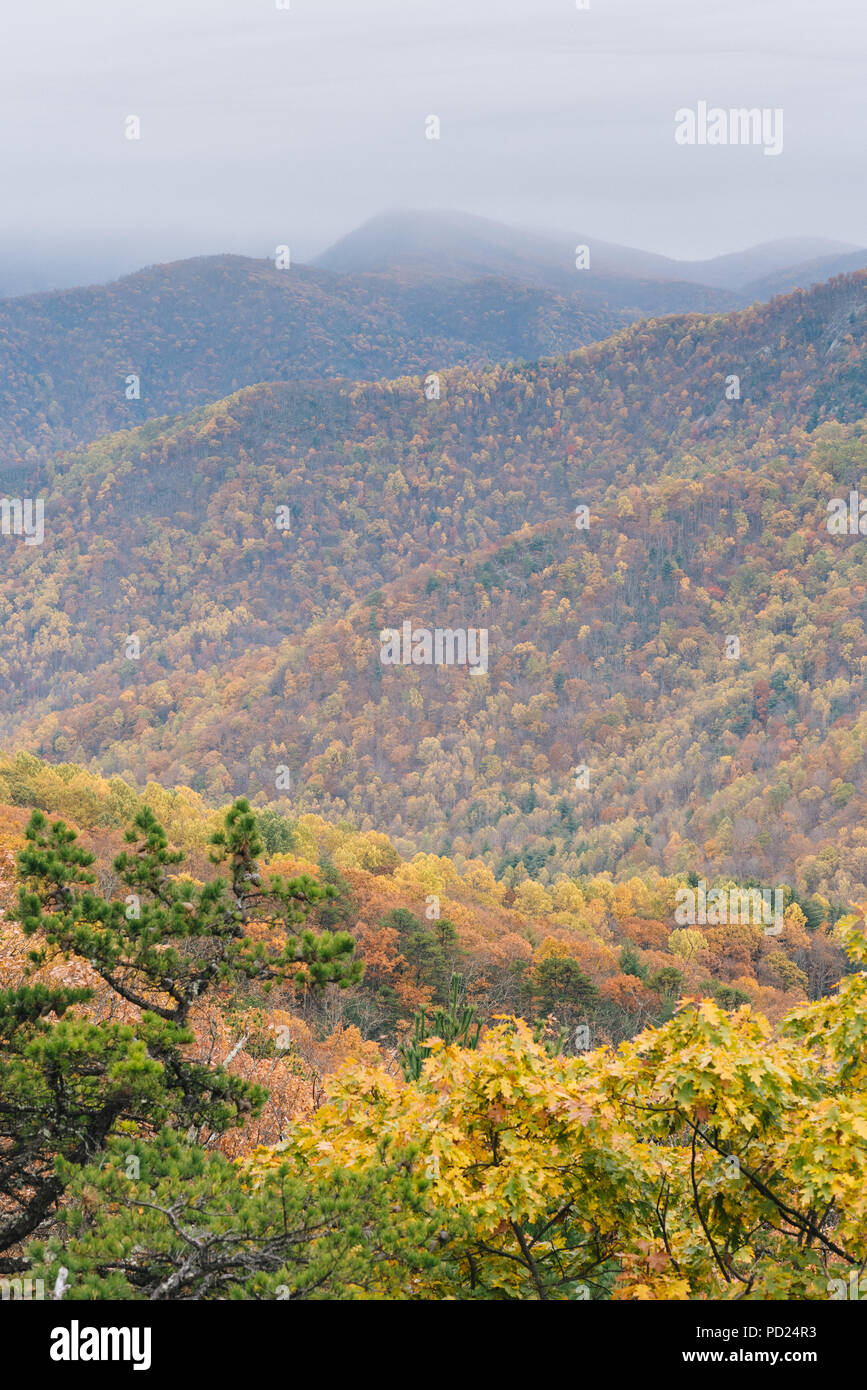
(451, 242)
(441, 242)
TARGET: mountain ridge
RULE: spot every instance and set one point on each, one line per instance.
(462, 243)
(259, 646)
(76, 364)
(194, 331)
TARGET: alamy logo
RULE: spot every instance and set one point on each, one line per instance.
(23, 517)
(75, 1343)
(738, 126)
(444, 646)
(26, 1289)
(730, 907)
(847, 518)
(856, 1290)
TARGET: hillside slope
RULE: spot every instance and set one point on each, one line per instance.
(501, 939)
(805, 275)
(195, 331)
(607, 645)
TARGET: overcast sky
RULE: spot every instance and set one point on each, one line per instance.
(262, 126)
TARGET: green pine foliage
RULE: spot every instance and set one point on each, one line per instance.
(457, 1023)
(160, 945)
(167, 1220)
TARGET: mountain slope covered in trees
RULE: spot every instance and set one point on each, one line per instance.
(140, 1053)
(258, 646)
(194, 331)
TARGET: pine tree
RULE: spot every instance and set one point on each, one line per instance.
(167, 1220)
(457, 1024)
(66, 1082)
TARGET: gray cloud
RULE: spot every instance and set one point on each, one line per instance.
(262, 126)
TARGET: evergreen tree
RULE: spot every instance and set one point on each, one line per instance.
(66, 1082)
(562, 988)
(456, 1024)
(630, 962)
(166, 1220)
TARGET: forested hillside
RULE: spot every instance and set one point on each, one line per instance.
(404, 1030)
(433, 735)
(583, 951)
(76, 364)
(175, 1017)
(258, 646)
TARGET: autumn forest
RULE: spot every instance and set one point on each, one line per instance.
(433, 811)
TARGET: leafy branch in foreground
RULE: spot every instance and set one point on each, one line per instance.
(714, 1157)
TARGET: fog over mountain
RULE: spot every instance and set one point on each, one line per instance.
(262, 126)
(407, 292)
(422, 243)
(419, 242)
